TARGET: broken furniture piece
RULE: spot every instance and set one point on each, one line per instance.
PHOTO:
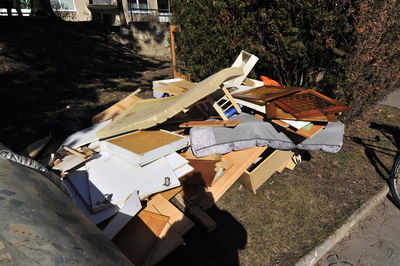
(309, 103)
(268, 163)
(246, 61)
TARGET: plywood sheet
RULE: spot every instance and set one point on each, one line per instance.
(143, 114)
(263, 94)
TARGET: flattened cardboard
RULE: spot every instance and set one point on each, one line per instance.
(143, 147)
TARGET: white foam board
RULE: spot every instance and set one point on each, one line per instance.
(175, 160)
(183, 170)
(96, 218)
(296, 124)
(116, 176)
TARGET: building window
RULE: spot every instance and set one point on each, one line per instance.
(163, 6)
(63, 5)
(139, 5)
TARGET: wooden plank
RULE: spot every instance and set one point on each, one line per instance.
(290, 164)
(218, 123)
(116, 108)
(202, 217)
(241, 160)
(169, 194)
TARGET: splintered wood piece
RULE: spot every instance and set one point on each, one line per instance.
(264, 94)
(223, 123)
(306, 133)
(309, 103)
(117, 108)
(75, 152)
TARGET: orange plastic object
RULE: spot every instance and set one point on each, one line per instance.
(269, 82)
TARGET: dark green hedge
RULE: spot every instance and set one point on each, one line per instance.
(313, 43)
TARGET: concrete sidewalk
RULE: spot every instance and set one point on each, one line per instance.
(376, 239)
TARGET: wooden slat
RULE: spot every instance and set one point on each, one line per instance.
(202, 217)
(231, 99)
(223, 123)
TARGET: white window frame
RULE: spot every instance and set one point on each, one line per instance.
(141, 11)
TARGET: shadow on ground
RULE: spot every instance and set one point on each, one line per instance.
(52, 70)
(374, 148)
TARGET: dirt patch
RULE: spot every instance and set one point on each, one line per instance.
(55, 75)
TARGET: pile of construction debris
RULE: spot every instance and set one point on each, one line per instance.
(190, 143)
